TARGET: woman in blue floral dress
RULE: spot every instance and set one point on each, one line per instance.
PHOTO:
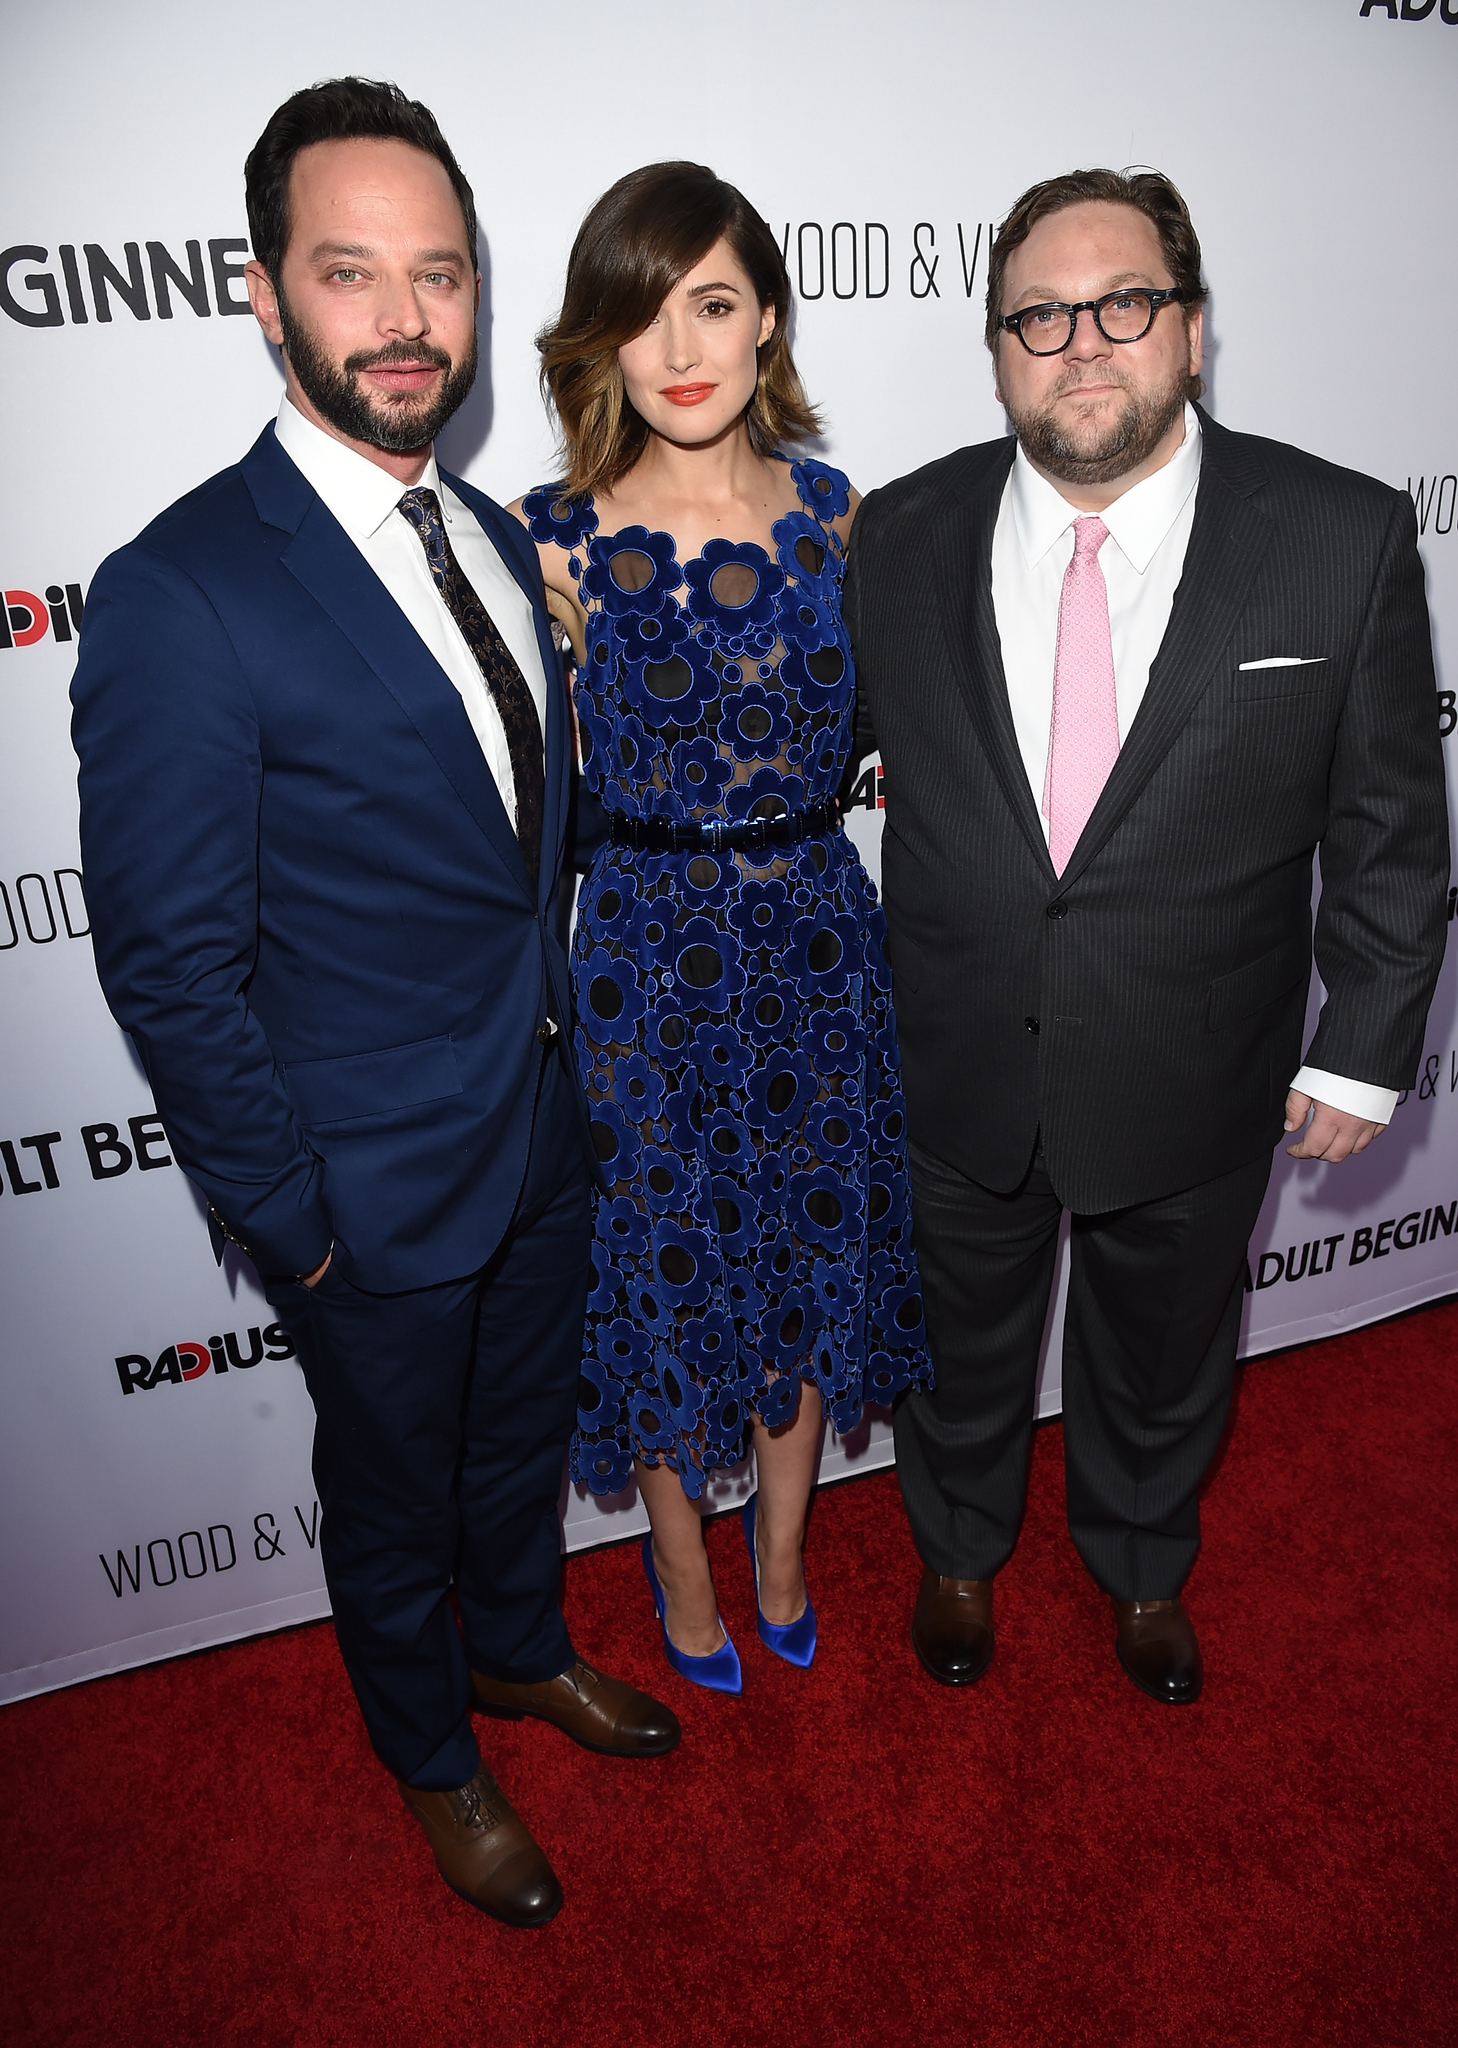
(734, 1026)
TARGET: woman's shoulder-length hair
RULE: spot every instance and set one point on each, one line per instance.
(632, 249)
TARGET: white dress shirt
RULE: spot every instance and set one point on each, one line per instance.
(364, 499)
(1142, 560)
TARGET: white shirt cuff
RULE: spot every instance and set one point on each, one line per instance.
(1356, 1098)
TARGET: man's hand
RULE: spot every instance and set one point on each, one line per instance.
(1334, 1133)
(313, 1279)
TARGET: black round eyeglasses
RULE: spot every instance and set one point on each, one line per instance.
(1119, 316)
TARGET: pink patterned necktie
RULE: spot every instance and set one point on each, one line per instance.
(1083, 743)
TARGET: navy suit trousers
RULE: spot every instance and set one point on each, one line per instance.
(442, 1418)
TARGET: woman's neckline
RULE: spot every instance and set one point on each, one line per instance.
(683, 563)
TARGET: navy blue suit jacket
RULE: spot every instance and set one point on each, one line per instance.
(307, 900)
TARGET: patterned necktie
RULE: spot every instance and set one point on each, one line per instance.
(503, 678)
(1083, 743)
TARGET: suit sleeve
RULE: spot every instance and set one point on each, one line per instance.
(171, 783)
(1382, 922)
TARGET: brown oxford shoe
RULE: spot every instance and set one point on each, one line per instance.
(485, 1852)
(601, 1713)
(951, 1627)
(1157, 1647)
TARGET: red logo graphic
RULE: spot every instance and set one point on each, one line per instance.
(869, 792)
(26, 618)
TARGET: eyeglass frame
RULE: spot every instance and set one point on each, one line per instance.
(1157, 296)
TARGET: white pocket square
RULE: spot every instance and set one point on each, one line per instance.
(1286, 661)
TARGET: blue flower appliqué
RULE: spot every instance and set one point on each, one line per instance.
(611, 999)
(733, 586)
(625, 1226)
(701, 772)
(762, 918)
(806, 621)
(607, 909)
(632, 571)
(656, 637)
(755, 723)
(827, 490)
(552, 516)
(673, 690)
(721, 1056)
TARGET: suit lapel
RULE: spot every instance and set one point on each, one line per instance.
(963, 551)
(334, 572)
(1228, 540)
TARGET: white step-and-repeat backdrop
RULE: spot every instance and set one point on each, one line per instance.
(154, 1477)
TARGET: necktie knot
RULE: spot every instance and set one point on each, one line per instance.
(421, 506)
(1089, 536)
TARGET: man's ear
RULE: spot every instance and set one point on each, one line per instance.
(1195, 329)
(264, 300)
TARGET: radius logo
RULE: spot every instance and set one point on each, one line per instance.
(26, 618)
(189, 1360)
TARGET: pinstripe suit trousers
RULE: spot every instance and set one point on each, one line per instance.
(1149, 1343)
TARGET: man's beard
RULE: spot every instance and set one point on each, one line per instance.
(399, 422)
(1126, 440)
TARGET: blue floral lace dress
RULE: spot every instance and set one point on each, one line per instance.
(734, 1023)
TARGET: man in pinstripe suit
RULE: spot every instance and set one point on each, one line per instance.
(1128, 673)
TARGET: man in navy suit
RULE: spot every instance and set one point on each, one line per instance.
(331, 942)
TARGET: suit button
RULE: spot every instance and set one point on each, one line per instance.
(1031, 1024)
(1058, 909)
(545, 1034)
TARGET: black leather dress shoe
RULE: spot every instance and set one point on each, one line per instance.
(951, 1628)
(1156, 1644)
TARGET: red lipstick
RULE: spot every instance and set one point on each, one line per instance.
(686, 394)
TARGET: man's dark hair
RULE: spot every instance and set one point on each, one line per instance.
(338, 110)
(1148, 192)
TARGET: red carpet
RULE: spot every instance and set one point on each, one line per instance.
(205, 1851)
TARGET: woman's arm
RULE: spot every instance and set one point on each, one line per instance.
(562, 599)
(863, 732)
(847, 518)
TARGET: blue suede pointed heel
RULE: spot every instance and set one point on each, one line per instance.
(792, 1640)
(720, 1670)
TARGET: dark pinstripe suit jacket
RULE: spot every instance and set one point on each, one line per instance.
(1145, 1009)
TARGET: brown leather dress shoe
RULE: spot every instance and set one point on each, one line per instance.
(951, 1628)
(1156, 1643)
(485, 1852)
(601, 1713)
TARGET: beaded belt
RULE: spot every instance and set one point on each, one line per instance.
(670, 835)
